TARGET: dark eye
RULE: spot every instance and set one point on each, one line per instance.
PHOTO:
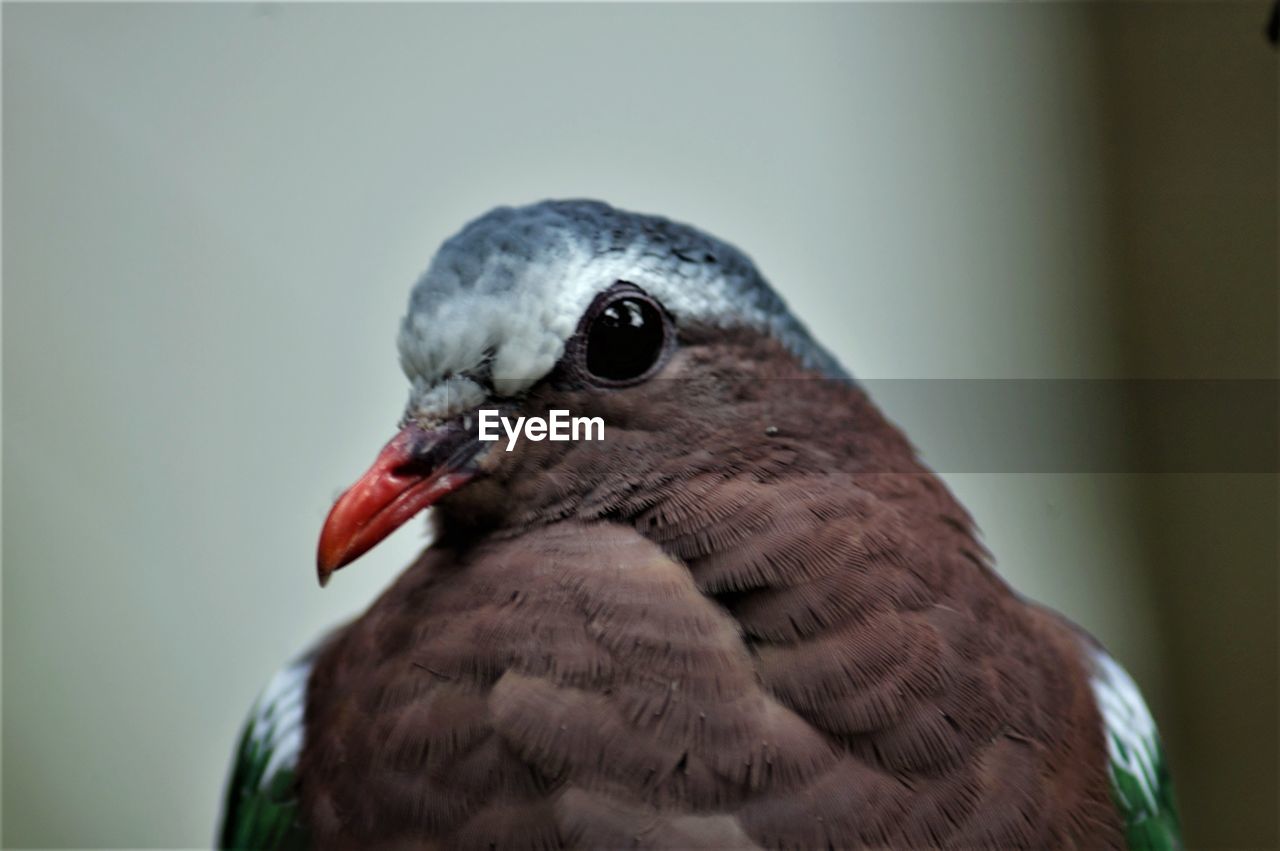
(626, 337)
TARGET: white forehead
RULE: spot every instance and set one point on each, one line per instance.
(504, 294)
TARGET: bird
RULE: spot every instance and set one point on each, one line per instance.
(746, 616)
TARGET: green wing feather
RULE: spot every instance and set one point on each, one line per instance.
(1140, 780)
(261, 809)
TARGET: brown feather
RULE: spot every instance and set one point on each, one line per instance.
(748, 617)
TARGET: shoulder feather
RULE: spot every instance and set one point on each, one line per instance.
(1140, 781)
(261, 810)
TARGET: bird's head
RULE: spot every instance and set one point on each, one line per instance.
(563, 304)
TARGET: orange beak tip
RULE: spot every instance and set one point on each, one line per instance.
(413, 471)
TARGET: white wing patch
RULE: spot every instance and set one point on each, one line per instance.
(278, 718)
(260, 809)
(1132, 742)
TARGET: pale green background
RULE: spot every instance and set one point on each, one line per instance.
(212, 215)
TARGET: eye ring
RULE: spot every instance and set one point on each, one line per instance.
(624, 337)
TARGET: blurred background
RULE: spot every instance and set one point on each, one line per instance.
(213, 214)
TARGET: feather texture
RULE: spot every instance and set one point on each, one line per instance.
(261, 809)
(748, 618)
(1140, 781)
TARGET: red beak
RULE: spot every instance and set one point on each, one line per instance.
(415, 469)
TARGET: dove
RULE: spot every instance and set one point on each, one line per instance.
(746, 616)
